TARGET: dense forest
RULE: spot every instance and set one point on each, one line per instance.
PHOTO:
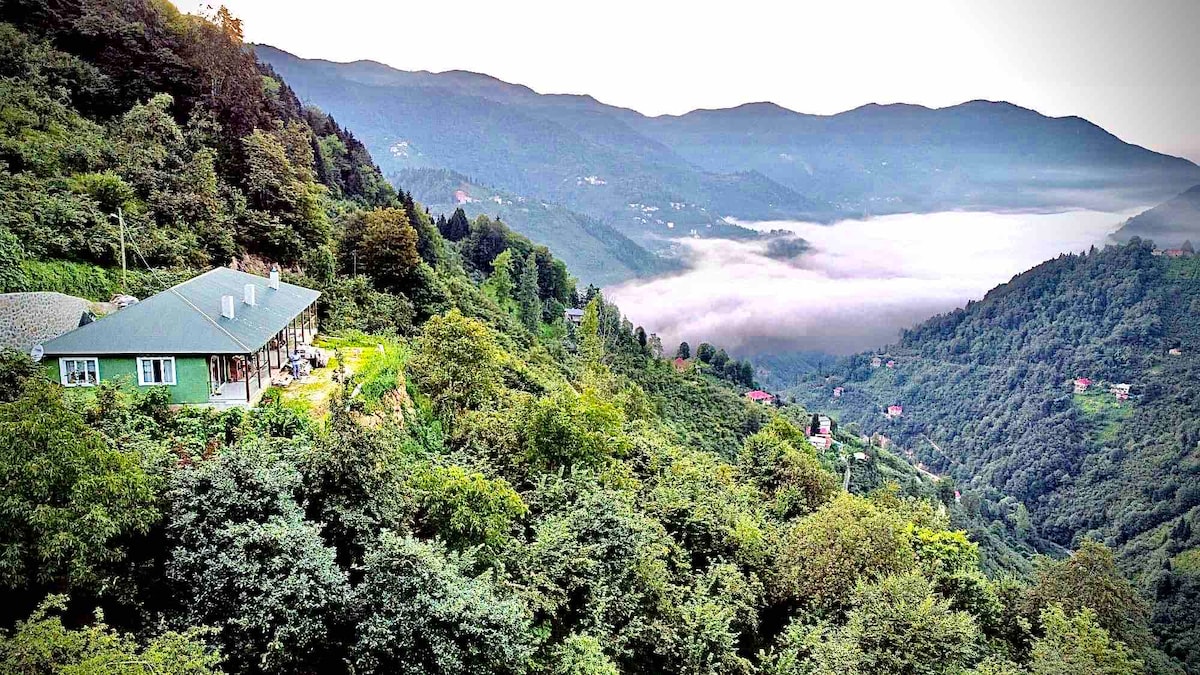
(989, 399)
(491, 489)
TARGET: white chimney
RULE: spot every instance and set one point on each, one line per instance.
(227, 306)
(274, 282)
(248, 296)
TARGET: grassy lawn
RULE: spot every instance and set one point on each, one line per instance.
(1188, 562)
(359, 354)
(1105, 412)
(1184, 268)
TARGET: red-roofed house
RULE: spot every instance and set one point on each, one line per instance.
(760, 396)
(680, 363)
(895, 410)
(837, 392)
(1081, 385)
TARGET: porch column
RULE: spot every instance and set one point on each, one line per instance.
(258, 368)
(247, 376)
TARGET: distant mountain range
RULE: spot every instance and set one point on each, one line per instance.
(659, 178)
(1169, 224)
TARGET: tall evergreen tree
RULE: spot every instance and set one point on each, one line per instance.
(591, 346)
(457, 227)
(684, 351)
(501, 281)
(528, 302)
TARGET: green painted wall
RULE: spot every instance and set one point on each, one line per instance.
(191, 373)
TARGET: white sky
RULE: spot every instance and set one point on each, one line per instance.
(1133, 67)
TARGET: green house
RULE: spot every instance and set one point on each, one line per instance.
(216, 339)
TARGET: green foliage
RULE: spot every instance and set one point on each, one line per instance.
(70, 498)
(582, 655)
(506, 493)
(421, 611)
(456, 362)
(1090, 579)
(528, 303)
(465, 508)
(42, 644)
(826, 553)
(501, 280)
(245, 560)
(387, 247)
(793, 479)
(1077, 644)
(896, 625)
(11, 257)
(566, 429)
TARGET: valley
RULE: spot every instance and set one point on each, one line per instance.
(555, 387)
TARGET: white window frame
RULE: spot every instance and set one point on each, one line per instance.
(62, 371)
(141, 372)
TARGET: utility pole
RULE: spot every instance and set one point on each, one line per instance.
(124, 274)
(354, 255)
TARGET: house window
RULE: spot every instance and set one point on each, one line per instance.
(79, 371)
(156, 370)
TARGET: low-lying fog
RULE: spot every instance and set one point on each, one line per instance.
(861, 282)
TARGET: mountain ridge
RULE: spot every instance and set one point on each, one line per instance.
(874, 159)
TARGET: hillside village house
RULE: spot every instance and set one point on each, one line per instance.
(894, 411)
(837, 392)
(573, 315)
(215, 339)
(876, 362)
(759, 396)
(819, 442)
(1082, 384)
(824, 425)
(1121, 391)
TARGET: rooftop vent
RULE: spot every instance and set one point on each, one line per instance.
(227, 306)
(274, 282)
(249, 295)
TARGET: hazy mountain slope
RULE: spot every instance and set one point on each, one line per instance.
(754, 161)
(596, 253)
(567, 150)
(987, 398)
(897, 158)
(1169, 224)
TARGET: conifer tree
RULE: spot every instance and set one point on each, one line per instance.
(591, 348)
(528, 302)
(501, 281)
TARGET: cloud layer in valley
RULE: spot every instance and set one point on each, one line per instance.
(858, 285)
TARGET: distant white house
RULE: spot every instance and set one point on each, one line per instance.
(895, 411)
(1121, 391)
(573, 315)
(876, 362)
(837, 392)
(819, 442)
(824, 424)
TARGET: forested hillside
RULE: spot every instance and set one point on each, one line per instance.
(488, 489)
(1170, 224)
(595, 252)
(988, 398)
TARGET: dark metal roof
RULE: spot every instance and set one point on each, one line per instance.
(186, 319)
